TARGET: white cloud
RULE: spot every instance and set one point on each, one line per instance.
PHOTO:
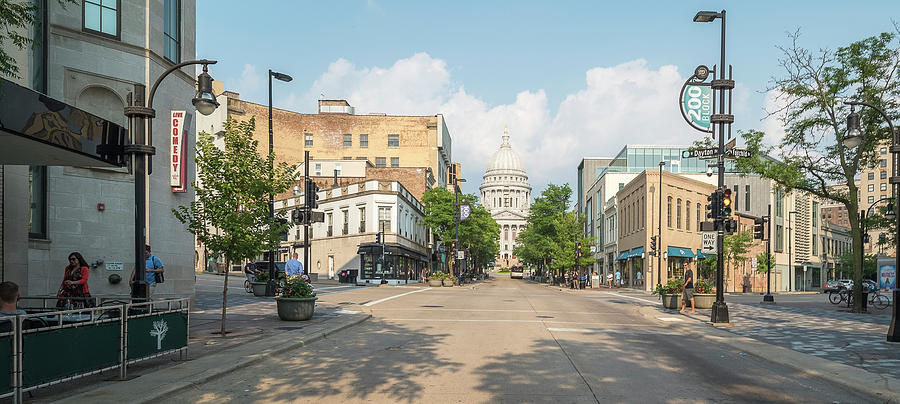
(250, 84)
(630, 103)
(773, 123)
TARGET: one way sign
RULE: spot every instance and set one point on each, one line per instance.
(709, 242)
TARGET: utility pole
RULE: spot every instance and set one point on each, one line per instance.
(306, 182)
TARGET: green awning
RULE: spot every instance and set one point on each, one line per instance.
(702, 255)
(680, 252)
(622, 255)
(636, 252)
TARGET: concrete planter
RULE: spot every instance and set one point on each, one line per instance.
(704, 301)
(448, 282)
(296, 308)
(672, 301)
(435, 283)
(259, 288)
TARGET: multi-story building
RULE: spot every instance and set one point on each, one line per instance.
(345, 241)
(455, 170)
(336, 132)
(873, 187)
(506, 194)
(58, 194)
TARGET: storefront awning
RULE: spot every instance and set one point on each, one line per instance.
(390, 249)
(636, 253)
(38, 130)
(680, 252)
(702, 255)
(622, 255)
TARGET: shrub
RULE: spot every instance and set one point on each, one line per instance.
(297, 287)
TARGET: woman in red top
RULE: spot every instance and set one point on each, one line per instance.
(75, 283)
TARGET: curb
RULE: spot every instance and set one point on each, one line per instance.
(881, 387)
(172, 380)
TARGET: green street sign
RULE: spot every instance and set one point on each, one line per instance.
(696, 106)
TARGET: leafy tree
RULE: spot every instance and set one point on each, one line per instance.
(230, 214)
(479, 233)
(811, 156)
(870, 269)
(762, 263)
(16, 17)
(736, 246)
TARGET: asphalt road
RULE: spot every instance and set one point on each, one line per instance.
(513, 341)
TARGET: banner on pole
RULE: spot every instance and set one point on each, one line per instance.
(176, 152)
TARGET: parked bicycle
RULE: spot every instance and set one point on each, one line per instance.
(875, 298)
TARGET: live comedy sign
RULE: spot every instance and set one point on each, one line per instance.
(176, 152)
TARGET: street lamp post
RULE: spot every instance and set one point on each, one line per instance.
(722, 84)
(659, 229)
(853, 139)
(141, 122)
(790, 250)
(270, 286)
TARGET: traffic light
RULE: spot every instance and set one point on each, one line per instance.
(726, 202)
(312, 194)
(578, 249)
(730, 226)
(298, 216)
(713, 206)
(378, 238)
(653, 243)
(759, 228)
(283, 235)
(453, 245)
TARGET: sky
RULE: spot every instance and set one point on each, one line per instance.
(571, 79)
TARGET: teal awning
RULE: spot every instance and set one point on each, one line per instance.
(701, 255)
(680, 252)
(622, 255)
(636, 252)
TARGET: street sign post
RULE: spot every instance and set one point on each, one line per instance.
(711, 154)
(708, 245)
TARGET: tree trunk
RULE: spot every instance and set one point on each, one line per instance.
(225, 294)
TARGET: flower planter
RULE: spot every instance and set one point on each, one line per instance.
(259, 288)
(704, 301)
(672, 301)
(448, 282)
(296, 308)
(435, 283)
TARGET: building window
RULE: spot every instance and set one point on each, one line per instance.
(337, 169)
(883, 163)
(380, 162)
(346, 214)
(884, 175)
(871, 187)
(883, 186)
(172, 46)
(363, 140)
(815, 251)
(318, 170)
(815, 216)
(362, 219)
(871, 176)
(687, 215)
(308, 140)
(102, 17)
(393, 141)
(330, 223)
(779, 203)
(384, 218)
(871, 199)
(883, 150)
(348, 140)
(505, 233)
(699, 219)
(669, 210)
(678, 214)
(37, 191)
(395, 162)
(735, 199)
(747, 198)
(779, 238)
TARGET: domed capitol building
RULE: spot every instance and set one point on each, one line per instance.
(506, 194)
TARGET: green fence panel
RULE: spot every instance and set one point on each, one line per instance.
(53, 354)
(6, 363)
(157, 333)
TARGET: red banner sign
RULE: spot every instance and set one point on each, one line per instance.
(176, 152)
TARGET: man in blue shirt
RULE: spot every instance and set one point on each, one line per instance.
(293, 268)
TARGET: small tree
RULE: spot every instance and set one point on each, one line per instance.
(233, 197)
(17, 16)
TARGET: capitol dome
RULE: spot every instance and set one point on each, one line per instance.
(505, 160)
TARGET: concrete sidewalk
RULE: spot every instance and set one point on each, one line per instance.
(253, 331)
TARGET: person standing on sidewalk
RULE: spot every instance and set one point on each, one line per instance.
(293, 268)
(609, 279)
(687, 292)
(618, 278)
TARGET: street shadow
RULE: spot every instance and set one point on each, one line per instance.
(642, 368)
(373, 359)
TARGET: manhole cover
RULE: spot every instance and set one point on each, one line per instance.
(431, 306)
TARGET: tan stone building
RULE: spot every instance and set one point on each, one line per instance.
(337, 133)
(873, 186)
(683, 208)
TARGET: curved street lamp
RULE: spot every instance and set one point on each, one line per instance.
(141, 124)
(854, 138)
(270, 286)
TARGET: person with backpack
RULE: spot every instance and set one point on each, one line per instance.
(153, 271)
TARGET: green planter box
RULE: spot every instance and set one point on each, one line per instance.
(259, 288)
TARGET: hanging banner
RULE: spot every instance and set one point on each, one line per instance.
(176, 152)
(887, 273)
(696, 106)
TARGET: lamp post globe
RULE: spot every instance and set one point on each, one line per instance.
(205, 100)
(853, 138)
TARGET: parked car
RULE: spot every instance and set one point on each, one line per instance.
(264, 266)
(869, 285)
(832, 286)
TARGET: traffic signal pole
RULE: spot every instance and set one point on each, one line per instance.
(768, 298)
(720, 309)
(306, 208)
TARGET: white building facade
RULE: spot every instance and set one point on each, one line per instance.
(506, 194)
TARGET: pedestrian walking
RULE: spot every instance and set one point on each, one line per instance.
(687, 292)
(618, 278)
(152, 267)
(609, 279)
(640, 282)
(293, 268)
(75, 284)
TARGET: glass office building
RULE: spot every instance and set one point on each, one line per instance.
(637, 158)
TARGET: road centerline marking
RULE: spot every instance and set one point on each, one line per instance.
(394, 297)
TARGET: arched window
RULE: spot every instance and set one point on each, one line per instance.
(669, 211)
(505, 233)
(687, 215)
(678, 214)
